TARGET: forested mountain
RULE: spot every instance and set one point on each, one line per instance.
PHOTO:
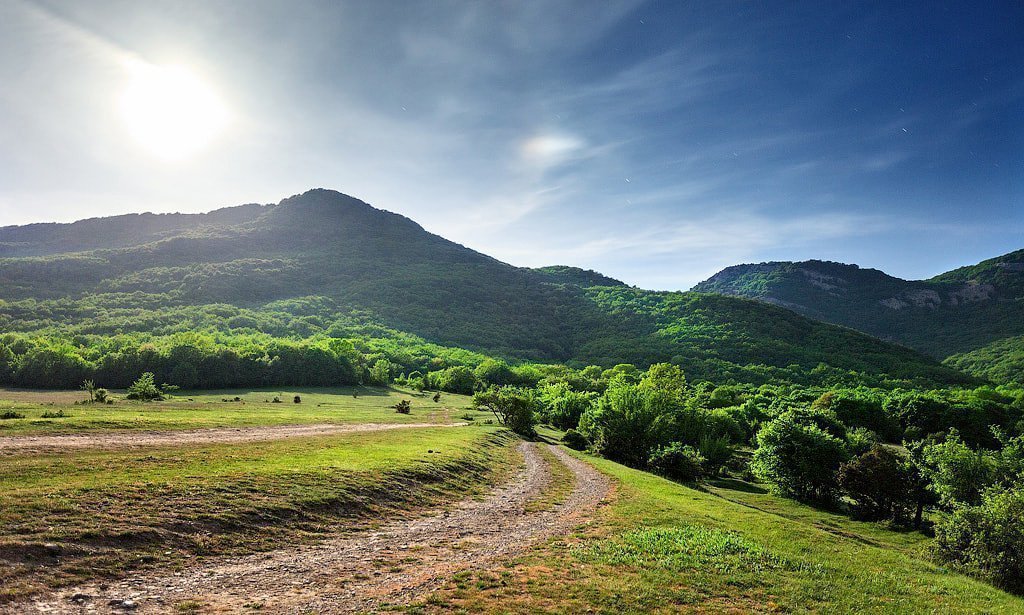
(955, 312)
(340, 267)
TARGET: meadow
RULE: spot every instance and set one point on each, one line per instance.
(73, 515)
(663, 547)
(64, 412)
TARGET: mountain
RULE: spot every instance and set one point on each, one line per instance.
(1001, 361)
(326, 258)
(954, 312)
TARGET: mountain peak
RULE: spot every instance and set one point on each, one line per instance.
(322, 210)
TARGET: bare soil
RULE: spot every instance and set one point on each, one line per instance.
(394, 565)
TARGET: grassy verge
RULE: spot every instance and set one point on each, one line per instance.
(662, 547)
(202, 409)
(92, 514)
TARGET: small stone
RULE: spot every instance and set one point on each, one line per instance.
(80, 598)
(52, 547)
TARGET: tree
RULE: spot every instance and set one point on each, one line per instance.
(494, 372)
(879, 483)
(512, 406)
(988, 538)
(380, 373)
(798, 459)
(957, 473)
(562, 406)
(629, 422)
(144, 389)
(458, 379)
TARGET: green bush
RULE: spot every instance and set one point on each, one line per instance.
(677, 461)
(880, 485)
(514, 407)
(987, 539)
(575, 440)
(144, 389)
(799, 459)
(11, 414)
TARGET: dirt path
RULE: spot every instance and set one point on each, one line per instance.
(134, 439)
(394, 565)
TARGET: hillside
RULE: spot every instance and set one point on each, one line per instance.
(1001, 361)
(954, 312)
(326, 264)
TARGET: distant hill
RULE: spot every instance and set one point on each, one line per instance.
(1001, 361)
(951, 313)
(372, 264)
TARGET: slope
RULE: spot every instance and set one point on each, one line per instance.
(348, 259)
(954, 312)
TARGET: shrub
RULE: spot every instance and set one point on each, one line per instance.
(677, 461)
(879, 483)
(144, 389)
(563, 406)
(11, 414)
(717, 451)
(987, 539)
(513, 407)
(575, 440)
(403, 407)
(297, 399)
(50, 414)
(629, 422)
(798, 459)
(958, 473)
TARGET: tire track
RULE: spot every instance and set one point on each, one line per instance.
(365, 572)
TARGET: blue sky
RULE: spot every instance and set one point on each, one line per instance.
(656, 142)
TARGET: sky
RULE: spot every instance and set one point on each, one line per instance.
(656, 142)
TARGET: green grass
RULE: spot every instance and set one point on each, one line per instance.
(112, 511)
(662, 547)
(203, 409)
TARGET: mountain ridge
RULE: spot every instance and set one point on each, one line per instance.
(323, 243)
(950, 313)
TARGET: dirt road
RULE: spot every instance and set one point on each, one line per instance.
(393, 565)
(20, 445)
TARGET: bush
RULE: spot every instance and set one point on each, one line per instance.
(403, 407)
(50, 414)
(11, 414)
(297, 399)
(879, 483)
(987, 539)
(799, 460)
(144, 389)
(958, 474)
(677, 461)
(513, 407)
(629, 422)
(575, 440)
(563, 406)
(717, 451)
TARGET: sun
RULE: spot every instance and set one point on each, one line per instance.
(170, 111)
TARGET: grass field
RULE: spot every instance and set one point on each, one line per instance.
(93, 513)
(202, 409)
(665, 547)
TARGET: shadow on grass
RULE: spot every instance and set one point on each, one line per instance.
(735, 484)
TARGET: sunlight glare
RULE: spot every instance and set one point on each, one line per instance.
(170, 111)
